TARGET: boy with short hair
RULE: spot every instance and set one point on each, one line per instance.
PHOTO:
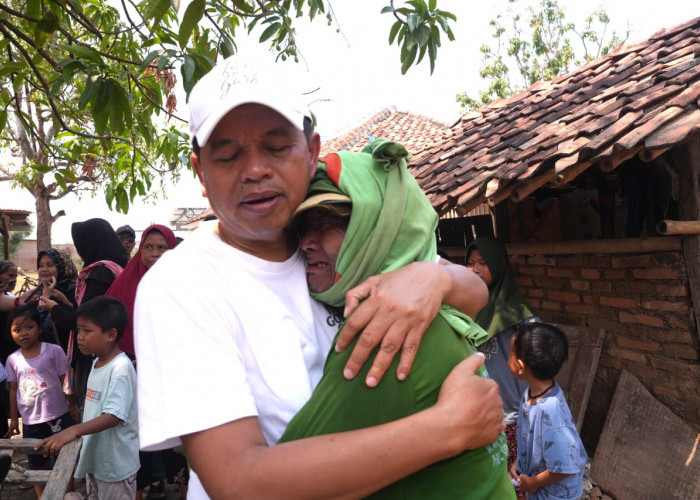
(551, 457)
(109, 455)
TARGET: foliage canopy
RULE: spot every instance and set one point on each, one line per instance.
(537, 43)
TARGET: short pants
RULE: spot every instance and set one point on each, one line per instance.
(41, 431)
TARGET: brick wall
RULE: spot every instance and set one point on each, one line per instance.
(643, 303)
(25, 255)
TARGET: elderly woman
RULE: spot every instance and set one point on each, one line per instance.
(367, 215)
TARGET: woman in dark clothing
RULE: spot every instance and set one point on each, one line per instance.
(57, 271)
(505, 310)
(103, 259)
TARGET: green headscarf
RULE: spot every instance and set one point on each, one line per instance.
(392, 223)
(506, 307)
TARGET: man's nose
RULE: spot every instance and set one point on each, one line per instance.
(255, 166)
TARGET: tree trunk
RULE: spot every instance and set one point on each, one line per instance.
(44, 219)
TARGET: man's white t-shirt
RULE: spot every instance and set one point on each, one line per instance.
(222, 335)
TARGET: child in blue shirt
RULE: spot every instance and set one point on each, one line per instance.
(109, 457)
(551, 457)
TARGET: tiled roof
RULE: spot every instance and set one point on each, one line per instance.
(641, 99)
(414, 131)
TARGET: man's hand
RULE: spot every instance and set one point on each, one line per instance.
(398, 307)
(53, 444)
(473, 402)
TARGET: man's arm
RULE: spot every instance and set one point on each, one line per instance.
(397, 308)
(234, 460)
(53, 444)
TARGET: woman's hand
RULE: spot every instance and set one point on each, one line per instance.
(47, 304)
(49, 285)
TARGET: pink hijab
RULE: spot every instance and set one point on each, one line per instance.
(124, 287)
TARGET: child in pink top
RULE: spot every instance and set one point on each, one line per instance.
(35, 373)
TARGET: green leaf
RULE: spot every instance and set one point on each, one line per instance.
(269, 31)
(187, 69)
(61, 181)
(122, 200)
(33, 8)
(155, 10)
(67, 173)
(87, 53)
(432, 4)
(407, 61)
(423, 35)
(394, 30)
(148, 60)
(412, 20)
(193, 14)
(49, 24)
(104, 94)
(3, 119)
(88, 93)
(388, 8)
(12, 67)
(41, 167)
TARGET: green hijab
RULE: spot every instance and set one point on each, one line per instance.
(506, 307)
(392, 223)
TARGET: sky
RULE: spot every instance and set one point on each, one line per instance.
(358, 74)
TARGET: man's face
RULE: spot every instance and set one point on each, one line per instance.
(255, 169)
(321, 240)
(128, 242)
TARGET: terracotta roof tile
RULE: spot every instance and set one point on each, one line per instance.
(415, 131)
(639, 97)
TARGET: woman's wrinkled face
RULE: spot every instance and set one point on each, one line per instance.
(321, 240)
(47, 268)
(476, 263)
(153, 246)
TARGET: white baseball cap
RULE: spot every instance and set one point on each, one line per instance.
(233, 82)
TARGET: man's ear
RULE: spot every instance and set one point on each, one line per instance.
(314, 151)
(200, 172)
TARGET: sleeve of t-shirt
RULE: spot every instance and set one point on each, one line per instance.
(58, 358)
(560, 442)
(178, 327)
(119, 394)
(11, 369)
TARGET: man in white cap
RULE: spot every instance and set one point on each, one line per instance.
(222, 370)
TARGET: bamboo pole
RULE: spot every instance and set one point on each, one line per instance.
(678, 227)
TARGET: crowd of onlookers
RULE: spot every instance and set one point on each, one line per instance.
(74, 372)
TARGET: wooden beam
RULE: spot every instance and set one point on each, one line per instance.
(584, 247)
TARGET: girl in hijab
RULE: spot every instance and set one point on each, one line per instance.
(103, 260)
(155, 241)
(505, 310)
(58, 275)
